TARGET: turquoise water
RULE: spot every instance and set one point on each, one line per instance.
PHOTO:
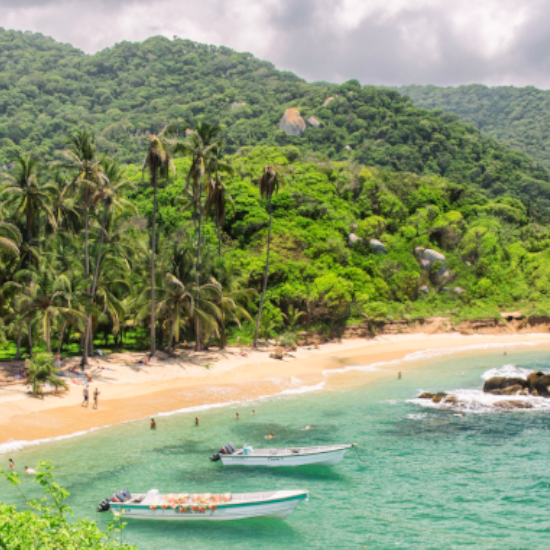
(429, 480)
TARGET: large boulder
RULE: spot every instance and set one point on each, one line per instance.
(509, 390)
(312, 121)
(427, 257)
(511, 405)
(378, 247)
(354, 239)
(532, 379)
(543, 385)
(493, 384)
(292, 123)
(509, 382)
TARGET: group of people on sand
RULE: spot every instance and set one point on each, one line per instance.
(86, 401)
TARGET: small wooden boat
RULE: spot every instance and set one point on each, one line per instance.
(200, 507)
(295, 456)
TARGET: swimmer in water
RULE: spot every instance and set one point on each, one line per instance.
(237, 416)
(12, 465)
(270, 436)
(153, 424)
(459, 415)
(30, 471)
(196, 420)
(399, 375)
(308, 427)
(253, 411)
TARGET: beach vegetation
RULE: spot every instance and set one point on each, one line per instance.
(47, 522)
(41, 370)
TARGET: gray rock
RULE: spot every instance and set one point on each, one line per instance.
(348, 147)
(292, 123)
(424, 289)
(353, 239)
(427, 257)
(459, 290)
(313, 122)
(236, 104)
(378, 247)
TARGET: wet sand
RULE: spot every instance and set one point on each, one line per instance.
(130, 393)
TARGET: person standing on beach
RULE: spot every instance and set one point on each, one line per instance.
(12, 465)
(237, 416)
(399, 375)
(153, 424)
(96, 398)
(57, 360)
(86, 396)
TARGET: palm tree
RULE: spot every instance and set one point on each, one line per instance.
(293, 316)
(110, 193)
(270, 182)
(29, 194)
(204, 149)
(43, 371)
(10, 243)
(216, 202)
(158, 161)
(82, 157)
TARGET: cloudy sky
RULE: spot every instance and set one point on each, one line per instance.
(393, 42)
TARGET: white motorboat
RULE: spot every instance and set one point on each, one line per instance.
(200, 507)
(295, 456)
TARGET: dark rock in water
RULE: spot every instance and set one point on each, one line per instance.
(543, 385)
(498, 384)
(493, 384)
(532, 379)
(451, 399)
(509, 390)
(426, 395)
(510, 405)
(513, 382)
(439, 397)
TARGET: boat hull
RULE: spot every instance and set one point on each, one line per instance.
(328, 458)
(276, 508)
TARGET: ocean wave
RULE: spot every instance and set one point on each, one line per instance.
(427, 354)
(17, 445)
(476, 401)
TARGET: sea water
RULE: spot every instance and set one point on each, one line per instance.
(424, 476)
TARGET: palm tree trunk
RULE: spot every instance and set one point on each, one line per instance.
(89, 342)
(19, 335)
(197, 268)
(266, 274)
(48, 330)
(86, 232)
(153, 248)
(29, 338)
(29, 231)
(171, 337)
(219, 230)
(60, 346)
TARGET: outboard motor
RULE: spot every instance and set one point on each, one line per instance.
(228, 449)
(119, 496)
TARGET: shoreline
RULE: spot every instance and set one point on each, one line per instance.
(172, 388)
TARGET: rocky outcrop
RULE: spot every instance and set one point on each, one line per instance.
(424, 289)
(378, 247)
(532, 379)
(327, 101)
(427, 257)
(537, 383)
(542, 385)
(354, 239)
(292, 123)
(236, 104)
(312, 121)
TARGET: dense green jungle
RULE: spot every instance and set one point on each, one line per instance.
(382, 211)
(517, 117)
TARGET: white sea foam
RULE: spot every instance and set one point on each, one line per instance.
(417, 416)
(17, 445)
(426, 354)
(476, 401)
(507, 371)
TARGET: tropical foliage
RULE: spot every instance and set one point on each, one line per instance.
(47, 523)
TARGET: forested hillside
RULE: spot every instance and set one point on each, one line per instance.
(517, 117)
(132, 89)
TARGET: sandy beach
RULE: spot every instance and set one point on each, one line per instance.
(130, 391)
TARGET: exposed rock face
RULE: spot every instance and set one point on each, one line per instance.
(312, 121)
(543, 385)
(532, 379)
(424, 289)
(378, 247)
(498, 385)
(427, 257)
(236, 104)
(292, 123)
(353, 239)
(327, 101)
(459, 290)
